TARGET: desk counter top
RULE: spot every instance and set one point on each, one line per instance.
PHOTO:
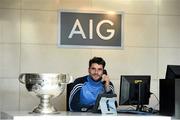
(64, 115)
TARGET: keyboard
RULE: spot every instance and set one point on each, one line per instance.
(134, 112)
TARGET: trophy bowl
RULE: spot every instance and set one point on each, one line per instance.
(45, 86)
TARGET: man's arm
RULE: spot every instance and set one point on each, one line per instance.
(109, 88)
(74, 98)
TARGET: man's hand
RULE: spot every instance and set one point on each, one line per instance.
(106, 79)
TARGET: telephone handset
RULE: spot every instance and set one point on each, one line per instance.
(104, 72)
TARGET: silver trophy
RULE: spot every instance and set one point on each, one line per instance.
(45, 86)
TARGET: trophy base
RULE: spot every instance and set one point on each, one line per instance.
(53, 113)
(39, 110)
(45, 106)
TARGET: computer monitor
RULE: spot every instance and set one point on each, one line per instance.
(135, 90)
(169, 92)
(172, 72)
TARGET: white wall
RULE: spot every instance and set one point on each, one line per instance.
(28, 43)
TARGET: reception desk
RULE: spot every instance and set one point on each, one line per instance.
(63, 115)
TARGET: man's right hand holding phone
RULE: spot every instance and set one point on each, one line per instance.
(106, 80)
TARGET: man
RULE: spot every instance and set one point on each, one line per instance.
(86, 89)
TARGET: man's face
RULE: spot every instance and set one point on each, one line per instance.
(96, 71)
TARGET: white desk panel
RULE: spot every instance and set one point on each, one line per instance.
(78, 116)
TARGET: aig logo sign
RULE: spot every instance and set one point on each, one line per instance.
(80, 31)
(91, 30)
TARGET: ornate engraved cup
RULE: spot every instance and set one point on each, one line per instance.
(45, 86)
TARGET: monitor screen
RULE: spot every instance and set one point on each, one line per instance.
(172, 72)
(134, 90)
(168, 90)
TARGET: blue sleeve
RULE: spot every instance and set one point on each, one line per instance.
(74, 98)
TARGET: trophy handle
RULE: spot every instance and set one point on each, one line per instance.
(61, 78)
(65, 78)
(21, 80)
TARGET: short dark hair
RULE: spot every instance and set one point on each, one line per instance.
(97, 60)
